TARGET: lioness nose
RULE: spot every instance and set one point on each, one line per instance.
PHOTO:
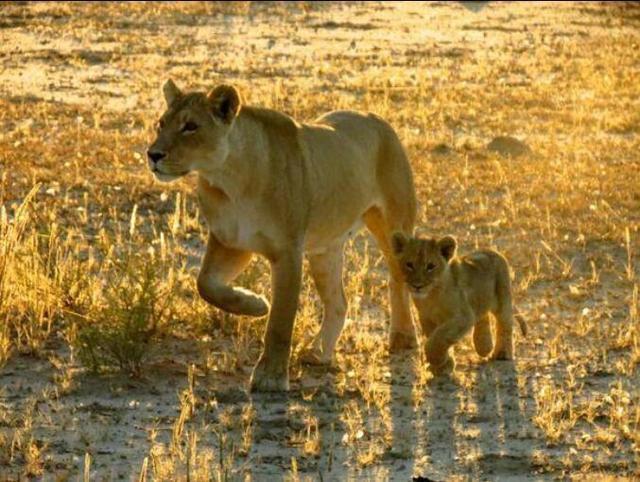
(156, 156)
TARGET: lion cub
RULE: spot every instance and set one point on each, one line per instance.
(455, 294)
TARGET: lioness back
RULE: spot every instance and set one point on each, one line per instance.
(354, 162)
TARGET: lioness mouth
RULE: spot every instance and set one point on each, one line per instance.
(167, 176)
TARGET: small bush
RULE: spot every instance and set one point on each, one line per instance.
(138, 300)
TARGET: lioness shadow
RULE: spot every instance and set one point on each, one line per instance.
(304, 425)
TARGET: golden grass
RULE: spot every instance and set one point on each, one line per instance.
(76, 198)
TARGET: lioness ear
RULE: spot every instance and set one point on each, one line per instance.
(447, 246)
(171, 92)
(225, 102)
(398, 242)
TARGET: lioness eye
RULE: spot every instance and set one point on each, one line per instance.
(189, 127)
(409, 266)
(430, 266)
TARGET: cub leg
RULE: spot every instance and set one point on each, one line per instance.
(444, 337)
(220, 266)
(326, 271)
(504, 315)
(271, 374)
(402, 334)
(504, 334)
(482, 341)
(426, 323)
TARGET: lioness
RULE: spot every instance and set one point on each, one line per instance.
(270, 185)
(455, 294)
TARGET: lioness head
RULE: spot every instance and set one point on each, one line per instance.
(192, 134)
(422, 261)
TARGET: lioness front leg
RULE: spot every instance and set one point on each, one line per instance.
(444, 337)
(271, 374)
(220, 266)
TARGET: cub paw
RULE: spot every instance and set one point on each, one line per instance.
(483, 348)
(269, 378)
(482, 340)
(401, 341)
(502, 355)
(315, 356)
(445, 368)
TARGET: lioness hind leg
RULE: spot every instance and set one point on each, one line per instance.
(220, 266)
(402, 334)
(326, 271)
(482, 341)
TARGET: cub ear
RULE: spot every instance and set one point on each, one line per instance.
(224, 102)
(398, 242)
(171, 92)
(447, 247)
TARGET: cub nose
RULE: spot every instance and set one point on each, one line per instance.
(156, 156)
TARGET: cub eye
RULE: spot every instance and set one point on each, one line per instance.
(409, 266)
(189, 127)
(431, 267)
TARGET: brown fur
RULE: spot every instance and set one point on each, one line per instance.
(455, 294)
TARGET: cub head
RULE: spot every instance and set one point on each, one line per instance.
(422, 261)
(193, 133)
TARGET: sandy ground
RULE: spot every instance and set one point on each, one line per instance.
(479, 426)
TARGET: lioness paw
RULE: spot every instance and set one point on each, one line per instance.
(255, 305)
(267, 378)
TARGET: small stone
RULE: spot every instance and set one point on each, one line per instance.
(508, 146)
(441, 149)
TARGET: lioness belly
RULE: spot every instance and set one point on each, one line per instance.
(320, 242)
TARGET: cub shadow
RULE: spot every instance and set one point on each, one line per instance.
(424, 418)
(439, 420)
(475, 424)
(503, 446)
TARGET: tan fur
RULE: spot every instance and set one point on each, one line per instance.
(455, 294)
(272, 186)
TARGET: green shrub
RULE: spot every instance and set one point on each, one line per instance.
(137, 303)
